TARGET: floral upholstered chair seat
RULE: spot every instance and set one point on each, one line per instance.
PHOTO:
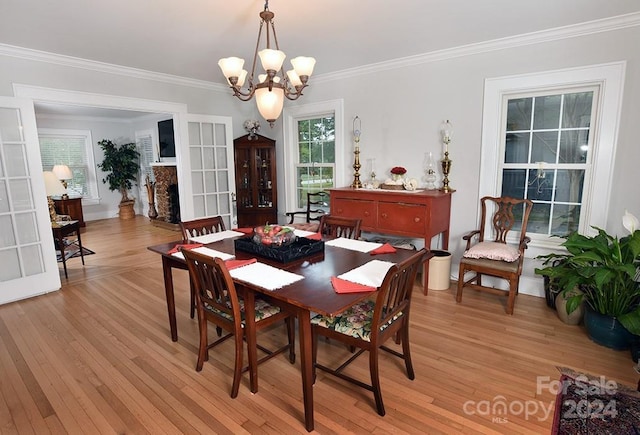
(263, 310)
(356, 321)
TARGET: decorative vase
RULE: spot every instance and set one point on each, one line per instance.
(606, 330)
(561, 308)
(396, 177)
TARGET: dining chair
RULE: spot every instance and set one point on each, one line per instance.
(317, 206)
(195, 228)
(337, 226)
(202, 226)
(217, 302)
(369, 324)
(487, 251)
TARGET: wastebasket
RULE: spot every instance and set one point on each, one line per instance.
(439, 270)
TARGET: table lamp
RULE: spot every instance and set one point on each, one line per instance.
(52, 186)
(63, 172)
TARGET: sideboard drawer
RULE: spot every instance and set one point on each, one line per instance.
(407, 218)
(357, 209)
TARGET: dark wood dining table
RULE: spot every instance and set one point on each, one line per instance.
(313, 293)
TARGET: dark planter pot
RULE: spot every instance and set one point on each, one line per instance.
(606, 330)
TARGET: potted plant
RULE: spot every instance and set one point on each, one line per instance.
(604, 267)
(121, 163)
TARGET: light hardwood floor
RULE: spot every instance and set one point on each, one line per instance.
(96, 357)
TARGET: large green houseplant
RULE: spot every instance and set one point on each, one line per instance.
(605, 268)
(121, 164)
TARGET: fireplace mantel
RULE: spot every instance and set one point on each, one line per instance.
(163, 164)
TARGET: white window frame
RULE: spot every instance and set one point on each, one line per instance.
(290, 131)
(609, 78)
(92, 181)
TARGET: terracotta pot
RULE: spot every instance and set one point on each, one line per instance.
(561, 308)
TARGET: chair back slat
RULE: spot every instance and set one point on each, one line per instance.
(507, 213)
(394, 296)
(200, 227)
(213, 284)
(336, 226)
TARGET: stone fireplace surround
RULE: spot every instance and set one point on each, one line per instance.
(166, 176)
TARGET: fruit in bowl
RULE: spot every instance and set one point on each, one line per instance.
(273, 235)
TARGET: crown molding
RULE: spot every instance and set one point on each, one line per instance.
(76, 62)
(572, 31)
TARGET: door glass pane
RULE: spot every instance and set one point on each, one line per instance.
(4, 197)
(21, 195)
(221, 158)
(26, 228)
(221, 135)
(212, 205)
(198, 205)
(10, 265)
(35, 265)
(197, 182)
(207, 133)
(223, 181)
(195, 156)
(210, 182)
(208, 161)
(16, 160)
(10, 125)
(194, 133)
(7, 236)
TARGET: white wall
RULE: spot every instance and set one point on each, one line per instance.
(401, 111)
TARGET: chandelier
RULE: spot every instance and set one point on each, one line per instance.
(272, 86)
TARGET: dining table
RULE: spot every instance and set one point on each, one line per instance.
(313, 293)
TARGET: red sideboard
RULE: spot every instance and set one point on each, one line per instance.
(422, 214)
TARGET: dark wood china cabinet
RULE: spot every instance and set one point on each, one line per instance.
(256, 192)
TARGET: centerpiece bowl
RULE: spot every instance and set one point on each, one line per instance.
(273, 235)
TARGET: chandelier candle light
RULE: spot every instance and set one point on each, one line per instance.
(446, 163)
(272, 87)
(357, 130)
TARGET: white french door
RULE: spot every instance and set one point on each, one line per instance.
(207, 162)
(27, 253)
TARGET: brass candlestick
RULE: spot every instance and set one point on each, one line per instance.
(446, 167)
(356, 164)
(446, 162)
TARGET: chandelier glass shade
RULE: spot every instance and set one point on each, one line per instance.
(272, 86)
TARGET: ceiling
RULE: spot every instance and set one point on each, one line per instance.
(186, 38)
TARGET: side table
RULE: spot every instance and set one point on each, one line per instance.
(60, 230)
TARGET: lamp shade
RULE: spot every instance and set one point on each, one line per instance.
(303, 65)
(270, 102)
(271, 59)
(231, 66)
(63, 172)
(52, 184)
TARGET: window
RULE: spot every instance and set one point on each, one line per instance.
(73, 148)
(313, 150)
(551, 137)
(547, 156)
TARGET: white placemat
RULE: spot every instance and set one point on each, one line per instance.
(265, 276)
(216, 237)
(371, 273)
(354, 245)
(207, 251)
(303, 233)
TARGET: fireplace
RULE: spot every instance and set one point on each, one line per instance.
(167, 200)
